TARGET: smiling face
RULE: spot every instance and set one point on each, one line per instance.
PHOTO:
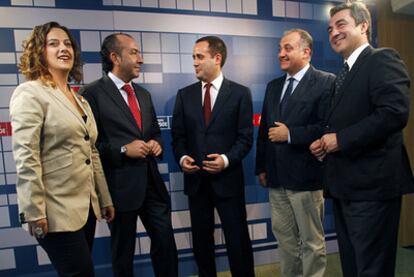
(59, 52)
(344, 34)
(293, 55)
(207, 67)
(127, 64)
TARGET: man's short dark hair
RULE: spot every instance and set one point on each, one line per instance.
(110, 44)
(359, 12)
(216, 46)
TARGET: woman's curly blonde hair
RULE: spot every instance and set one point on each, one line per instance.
(33, 64)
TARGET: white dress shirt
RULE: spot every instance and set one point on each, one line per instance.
(354, 56)
(297, 77)
(214, 90)
(119, 84)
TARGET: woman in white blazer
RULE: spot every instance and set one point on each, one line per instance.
(61, 186)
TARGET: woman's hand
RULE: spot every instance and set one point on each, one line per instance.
(108, 213)
(38, 228)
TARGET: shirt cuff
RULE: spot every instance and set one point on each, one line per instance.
(182, 159)
(288, 137)
(226, 160)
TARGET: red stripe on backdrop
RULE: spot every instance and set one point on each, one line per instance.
(5, 129)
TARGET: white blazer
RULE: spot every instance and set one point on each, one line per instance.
(59, 173)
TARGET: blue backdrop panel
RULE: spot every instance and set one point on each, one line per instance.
(166, 31)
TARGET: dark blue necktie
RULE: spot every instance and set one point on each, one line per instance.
(339, 81)
(288, 92)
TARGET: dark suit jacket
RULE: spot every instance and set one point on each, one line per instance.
(368, 115)
(292, 165)
(229, 132)
(127, 178)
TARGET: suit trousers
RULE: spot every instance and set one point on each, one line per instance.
(155, 214)
(297, 223)
(367, 236)
(70, 252)
(232, 213)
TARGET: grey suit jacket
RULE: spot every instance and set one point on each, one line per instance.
(59, 173)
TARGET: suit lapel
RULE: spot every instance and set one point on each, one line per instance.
(355, 68)
(112, 91)
(222, 97)
(299, 91)
(82, 102)
(276, 93)
(144, 107)
(197, 103)
(349, 77)
(67, 104)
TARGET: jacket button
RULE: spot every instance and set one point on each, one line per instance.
(88, 161)
(86, 137)
(327, 126)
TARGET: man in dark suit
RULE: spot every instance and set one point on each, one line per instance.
(293, 110)
(129, 142)
(366, 164)
(212, 133)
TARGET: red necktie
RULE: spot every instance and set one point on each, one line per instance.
(207, 104)
(133, 106)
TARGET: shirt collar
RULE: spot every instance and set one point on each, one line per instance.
(354, 56)
(118, 82)
(216, 83)
(298, 76)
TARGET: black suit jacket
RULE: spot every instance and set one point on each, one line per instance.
(229, 132)
(291, 165)
(368, 115)
(127, 178)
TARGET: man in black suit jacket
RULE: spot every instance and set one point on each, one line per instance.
(366, 164)
(292, 119)
(129, 142)
(210, 150)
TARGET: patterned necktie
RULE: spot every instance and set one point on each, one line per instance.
(207, 104)
(339, 81)
(288, 92)
(133, 106)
